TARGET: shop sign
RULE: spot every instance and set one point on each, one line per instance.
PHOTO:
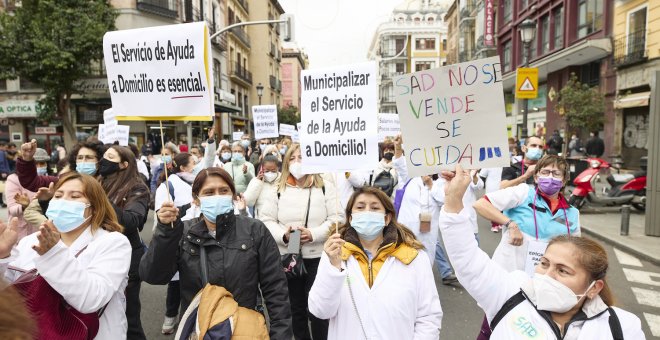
(18, 109)
(45, 130)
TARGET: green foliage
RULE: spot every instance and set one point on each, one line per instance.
(52, 43)
(288, 115)
(582, 106)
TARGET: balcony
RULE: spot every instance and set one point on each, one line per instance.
(387, 100)
(165, 8)
(391, 52)
(278, 55)
(630, 49)
(279, 86)
(273, 82)
(243, 4)
(273, 51)
(220, 41)
(242, 74)
(241, 35)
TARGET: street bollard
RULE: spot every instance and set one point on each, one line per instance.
(625, 219)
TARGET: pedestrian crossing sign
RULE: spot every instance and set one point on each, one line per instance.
(527, 83)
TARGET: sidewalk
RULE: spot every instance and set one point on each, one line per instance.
(607, 226)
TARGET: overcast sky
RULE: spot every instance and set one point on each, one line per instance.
(336, 32)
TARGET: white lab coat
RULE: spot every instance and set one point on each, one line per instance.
(403, 302)
(98, 276)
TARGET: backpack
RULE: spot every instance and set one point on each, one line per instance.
(383, 181)
(398, 197)
(512, 302)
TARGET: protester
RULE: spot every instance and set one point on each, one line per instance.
(384, 176)
(147, 149)
(5, 171)
(575, 147)
(307, 203)
(555, 143)
(263, 188)
(531, 214)
(242, 255)
(595, 146)
(12, 153)
(18, 198)
(197, 151)
(81, 253)
(372, 247)
(224, 156)
(141, 166)
(167, 153)
(240, 170)
(567, 298)
(34, 214)
(522, 171)
(183, 147)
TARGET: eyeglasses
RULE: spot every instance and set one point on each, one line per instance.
(554, 173)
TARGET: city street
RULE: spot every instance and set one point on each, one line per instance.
(635, 283)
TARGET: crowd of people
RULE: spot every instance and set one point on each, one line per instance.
(295, 255)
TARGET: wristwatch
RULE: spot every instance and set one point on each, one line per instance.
(508, 223)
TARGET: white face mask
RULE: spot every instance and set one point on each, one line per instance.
(296, 170)
(270, 176)
(554, 296)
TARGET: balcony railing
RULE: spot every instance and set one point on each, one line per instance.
(390, 52)
(273, 82)
(241, 35)
(279, 86)
(220, 41)
(242, 73)
(630, 49)
(244, 4)
(166, 8)
(272, 50)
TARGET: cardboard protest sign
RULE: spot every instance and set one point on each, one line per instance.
(119, 133)
(388, 125)
(160, 72)
(265, 121)
(287, 130)
(339, 124)
(236, 135)
(453, 114)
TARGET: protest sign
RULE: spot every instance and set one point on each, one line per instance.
(160, 73)
(388, 125)
(295, 137)
(453, 114)
(265, 121)
(339, 124)
(287, 130)
(120, 133)
(236, 135)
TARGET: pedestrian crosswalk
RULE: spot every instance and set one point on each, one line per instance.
(645, 286)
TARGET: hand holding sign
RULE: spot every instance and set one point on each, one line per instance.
(332, 248)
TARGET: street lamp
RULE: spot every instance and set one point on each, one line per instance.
(260, 91)
(527, 32)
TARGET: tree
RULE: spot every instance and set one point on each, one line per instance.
(581, 106)
(288, 115)
(53, 43)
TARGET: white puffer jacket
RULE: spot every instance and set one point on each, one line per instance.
(491, 286)
(258, 195)
(291, 208)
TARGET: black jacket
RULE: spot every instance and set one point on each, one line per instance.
(132, 216)
(242, 258)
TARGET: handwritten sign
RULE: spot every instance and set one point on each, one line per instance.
(339, 124)
(119, 133)
(236, 135)
(287, 130)
(265, 121)
(453, 114)
(388, 125)
(160, 72)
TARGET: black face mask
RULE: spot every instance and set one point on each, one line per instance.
(388, 155)
(107, 168)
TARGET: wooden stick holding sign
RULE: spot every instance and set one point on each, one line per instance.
(167, 181)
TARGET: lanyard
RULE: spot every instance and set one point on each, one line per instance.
(536, 227)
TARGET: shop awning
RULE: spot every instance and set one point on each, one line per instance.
(632, 100)
(225, 107)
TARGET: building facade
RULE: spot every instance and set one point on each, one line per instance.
(294, 60)
(266, 52)
(238, 59)
(414, 39)
(636, 33)
(572, 36)
(475, 30)
(451, 18)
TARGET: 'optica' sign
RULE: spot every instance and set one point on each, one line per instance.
(18, 109)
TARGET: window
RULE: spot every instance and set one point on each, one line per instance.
(590, 17)
(559, 27)
(425, 44)
(424, 65)
(506, 56)
(522, 5)
(216, 74)
(545, 34)
(636, 40)
(590, 73)
(26, 84)
(430, 20)
(444, 44)
(3, 85)
(399, 45)
(506, 10)
(400, 68)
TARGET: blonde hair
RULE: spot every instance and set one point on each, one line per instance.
(312, 180)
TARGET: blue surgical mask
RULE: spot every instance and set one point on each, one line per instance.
(166, 159)
(86, 168)
(263, 147)
(534, 153)
(245, 143)
(368, 224)
(225, 156)
(212, 206)
(66, 215)
(42, 171)
(237, 156)
(283, 150)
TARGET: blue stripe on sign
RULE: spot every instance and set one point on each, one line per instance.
(490, 152)
(498, 152)
(482, 154)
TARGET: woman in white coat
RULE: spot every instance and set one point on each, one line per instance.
(262, 189)
(308, 203)
(371, 282)
(567, 298)
(82, 222)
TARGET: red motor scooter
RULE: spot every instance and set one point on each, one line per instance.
(624, 188)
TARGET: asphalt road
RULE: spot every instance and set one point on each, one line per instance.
(637, 290)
